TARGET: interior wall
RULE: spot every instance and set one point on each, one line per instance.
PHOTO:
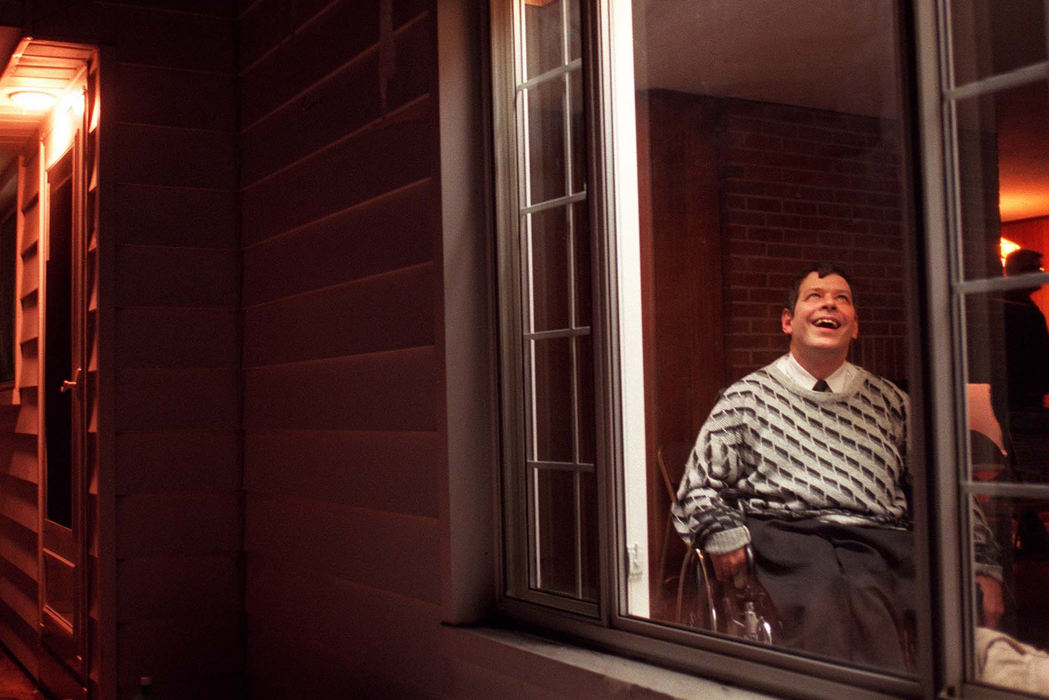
(802, 185)
(681, 280)
(342, 373)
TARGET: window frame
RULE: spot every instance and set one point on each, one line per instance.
(935, 389)
(946, 291)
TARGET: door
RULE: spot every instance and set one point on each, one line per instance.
(63, 551)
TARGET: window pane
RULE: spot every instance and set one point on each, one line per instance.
(550, 269)
(575, 39)
(1007, 349)
(1010, 613)
(544, 31)
(546, 140)
(769, 137)
(581, 250)
(990, 37)
(553, 414)
(585, 389)
(588, 535)
(575, 82)
(566, 533)
(1003, 168)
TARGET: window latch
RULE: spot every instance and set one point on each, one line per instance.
(636, 571)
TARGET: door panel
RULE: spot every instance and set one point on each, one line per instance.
(63, 539)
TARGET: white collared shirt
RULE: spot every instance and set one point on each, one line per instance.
(836, 381)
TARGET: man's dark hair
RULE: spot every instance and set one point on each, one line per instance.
(822, 269)
(1023, 260)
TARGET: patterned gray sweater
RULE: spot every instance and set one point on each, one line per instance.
(789, 452)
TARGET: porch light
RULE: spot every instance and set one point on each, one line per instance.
(32, 100)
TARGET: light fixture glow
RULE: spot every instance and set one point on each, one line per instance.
(1006, 246)
(33, 100)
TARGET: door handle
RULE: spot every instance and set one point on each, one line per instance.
(72, 384)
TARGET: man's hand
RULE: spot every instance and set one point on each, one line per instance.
(729, 564)
(993, 603)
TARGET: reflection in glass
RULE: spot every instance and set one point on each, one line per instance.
(1003, 156)
(989, 37)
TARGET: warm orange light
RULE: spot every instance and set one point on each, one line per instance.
(33, 100)
(1005, 247)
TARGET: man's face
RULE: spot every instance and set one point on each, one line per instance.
(824, 317)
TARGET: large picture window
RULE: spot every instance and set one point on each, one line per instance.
(664, 169)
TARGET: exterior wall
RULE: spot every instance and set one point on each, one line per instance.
(169, 424)
(343, 381)
(20, 479)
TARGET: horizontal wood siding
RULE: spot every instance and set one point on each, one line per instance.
(19, 430)
(343, 380)
(176, 400)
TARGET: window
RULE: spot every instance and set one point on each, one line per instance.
(663, 169)
(995, 76)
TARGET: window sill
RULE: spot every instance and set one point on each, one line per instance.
(498, 659)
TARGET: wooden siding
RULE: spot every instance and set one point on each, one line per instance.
(19, 464)
(176, 410)
(343, 380)
(168, 297)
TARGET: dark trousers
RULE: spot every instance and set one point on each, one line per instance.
(841, 591)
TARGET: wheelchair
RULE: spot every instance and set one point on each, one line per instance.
(740, 608)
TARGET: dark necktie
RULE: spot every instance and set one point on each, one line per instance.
(821, 385)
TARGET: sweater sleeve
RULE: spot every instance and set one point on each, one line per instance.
(986, 552)
(718, 460)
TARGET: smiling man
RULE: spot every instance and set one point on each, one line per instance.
(813, 450)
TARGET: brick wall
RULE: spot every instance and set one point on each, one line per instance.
(800, 185)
